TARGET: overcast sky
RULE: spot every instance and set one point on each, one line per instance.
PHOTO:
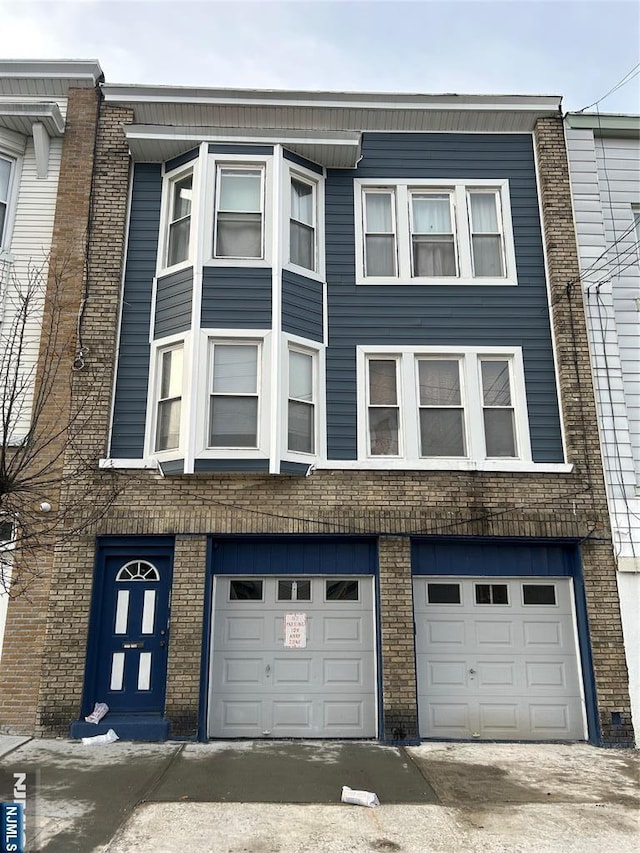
(579, 50)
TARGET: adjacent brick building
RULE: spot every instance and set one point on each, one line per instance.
(345, 395)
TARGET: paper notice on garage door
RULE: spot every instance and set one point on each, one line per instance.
(295, 631)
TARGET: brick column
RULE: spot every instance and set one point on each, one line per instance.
(185, 642)
(399, 699)
(581, 431)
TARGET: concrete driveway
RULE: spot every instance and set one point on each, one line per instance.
(284, 797)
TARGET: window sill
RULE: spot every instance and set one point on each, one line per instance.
(439, 282)
(238, 262)
(304, 272)
(163, 272)
(517, 466)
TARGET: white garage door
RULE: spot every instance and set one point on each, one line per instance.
(496, 658)
(293, 657)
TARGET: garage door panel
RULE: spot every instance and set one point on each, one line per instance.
(246, 671)
(505, 670)
(343, 672)
(495, 673)
(292, 670)
(494, 632)
(288, 714)
(241, 714)
(343, 715)
(242, 629)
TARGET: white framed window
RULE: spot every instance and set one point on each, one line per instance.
(442, 407)
(302, 223)
(434, 232)
(169, 384)
(379, 222)
(635, 216)
(239, 211)
(179, 220)
(234, 395)
(383, 406)
(302, 401)
(6, 175)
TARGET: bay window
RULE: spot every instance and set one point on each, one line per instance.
(234, 395)
(301, 405)
(239, 212)
(179, 220)
(433, 232)
(302, 225)
(169, 397)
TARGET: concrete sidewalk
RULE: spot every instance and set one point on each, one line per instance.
(284, 797)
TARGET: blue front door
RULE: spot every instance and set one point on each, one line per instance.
(133, 641)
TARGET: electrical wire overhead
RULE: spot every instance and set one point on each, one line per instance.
(628, 77)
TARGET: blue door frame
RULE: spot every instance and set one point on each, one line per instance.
(129, 626)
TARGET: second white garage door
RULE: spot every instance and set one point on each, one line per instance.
(496, 658)
(318, 681)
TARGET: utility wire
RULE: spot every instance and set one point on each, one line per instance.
(628, 77)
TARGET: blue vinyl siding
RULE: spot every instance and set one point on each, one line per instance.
(173, 303)
(301, 306)
(260, 466)
(293, 555)
(493, 558)
(236, 297)
(301, 161)
(127, 440)
(426, 315)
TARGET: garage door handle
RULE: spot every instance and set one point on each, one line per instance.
(267, 669)
(472, 672)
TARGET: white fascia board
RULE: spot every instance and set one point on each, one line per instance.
(271, 136)
(18, 113)
(77, 72)
(353, 100)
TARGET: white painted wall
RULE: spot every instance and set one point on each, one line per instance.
(605, 179)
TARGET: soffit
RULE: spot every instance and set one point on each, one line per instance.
(332, 111)
(21, 117)
(47, 78)
(156, 143)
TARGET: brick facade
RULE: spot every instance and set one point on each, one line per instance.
(22, 658)
(392, 505)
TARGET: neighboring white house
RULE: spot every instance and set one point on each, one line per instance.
(33, 98)
(604, 161)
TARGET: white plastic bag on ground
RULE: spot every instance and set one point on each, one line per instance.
(359, 798)
(110, 737)
(99, 710)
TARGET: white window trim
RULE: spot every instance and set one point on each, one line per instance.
(169, 179)
(215, 161)
(402, 188)
(472, 401)
(207, 338)
(306, 176)
(303, 345)
(11, 154)
(158, 347)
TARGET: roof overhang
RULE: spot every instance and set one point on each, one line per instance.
(331, 111)
(159, 143)
(20, 117)
(47, 77)
(606, 124)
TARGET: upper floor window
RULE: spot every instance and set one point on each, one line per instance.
(434, 232)
(425, 404)
(234, 395)
(5, 188)
(302, 224)
(179, 230)
(239, 212)
(301, 406)
(169, 396)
